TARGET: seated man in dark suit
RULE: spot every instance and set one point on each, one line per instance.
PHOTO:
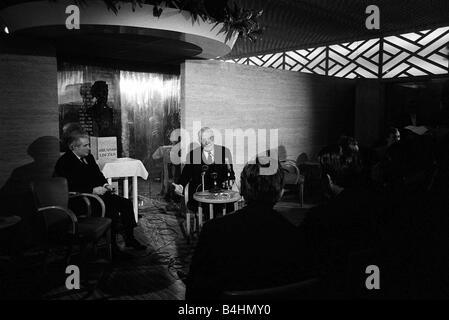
(253, 248)
(211, 160)
(78, 166)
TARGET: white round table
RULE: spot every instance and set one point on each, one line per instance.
(220, 197)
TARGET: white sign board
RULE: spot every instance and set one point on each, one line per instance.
(103, 148)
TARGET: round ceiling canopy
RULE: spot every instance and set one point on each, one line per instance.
(131, 35)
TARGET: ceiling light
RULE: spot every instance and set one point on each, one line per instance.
(6, 30)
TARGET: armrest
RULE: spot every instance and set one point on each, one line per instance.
(292, 163)
(86, 197)
(69, 213)
(186, 196)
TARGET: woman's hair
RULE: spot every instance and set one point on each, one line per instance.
(262, 186)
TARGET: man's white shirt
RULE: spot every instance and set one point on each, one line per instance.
(206, 154)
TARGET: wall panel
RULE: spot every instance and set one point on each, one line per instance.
(309, 111)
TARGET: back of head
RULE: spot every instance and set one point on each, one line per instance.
(392, 135)
(44, 148)
(349, 145)
(262, 181)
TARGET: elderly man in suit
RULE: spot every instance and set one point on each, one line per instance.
(78, 166)
(211, 160)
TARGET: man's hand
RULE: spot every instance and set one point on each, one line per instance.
(99, 191)
(178, 189)
(109, 187)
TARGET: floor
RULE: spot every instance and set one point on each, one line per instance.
(154, 274)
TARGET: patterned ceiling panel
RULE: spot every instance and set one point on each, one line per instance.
(416, 54)
(423, 53)
(298, 24)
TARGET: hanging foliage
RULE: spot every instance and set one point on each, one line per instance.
(234, 18)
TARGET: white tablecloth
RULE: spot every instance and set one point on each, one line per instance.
(124, 167)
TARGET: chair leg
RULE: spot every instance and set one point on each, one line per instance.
(301, 195)
(109, 244)
(188, 216)
(83, 259)
(200, 220)
(68, 254)
(41, 278)
(105, 271)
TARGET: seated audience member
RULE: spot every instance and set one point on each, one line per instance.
(342, 157)
(414, 235)
(330, 153)
(346, 223)
(349, 146)
(80, 169)
(350, 203)
(392, 135)
(253, 248)
(346, 151)
(353, 156)
(409, 160)
(382, 157)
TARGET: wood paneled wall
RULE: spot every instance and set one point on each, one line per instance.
(309, 111)
(28, 109)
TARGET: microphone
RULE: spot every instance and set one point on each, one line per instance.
(228, 166)
(204, 168)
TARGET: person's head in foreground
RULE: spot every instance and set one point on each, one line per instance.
(349, 145)
(393, 135)
(262, 181)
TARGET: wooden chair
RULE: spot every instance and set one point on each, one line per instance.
(302, 158)
(62, 226)
(191, 216)
(293, 178)
(306, 289)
